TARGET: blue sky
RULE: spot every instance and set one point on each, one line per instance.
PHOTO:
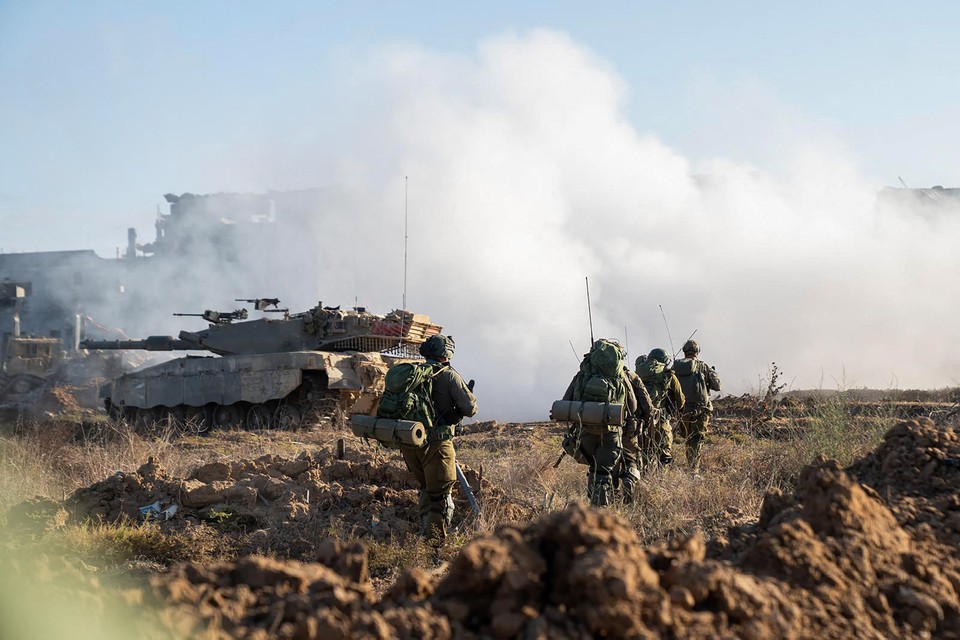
(106, 105)
(728, 153)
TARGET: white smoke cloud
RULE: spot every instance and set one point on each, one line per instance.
(527, 175)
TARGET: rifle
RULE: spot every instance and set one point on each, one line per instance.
(467, 491)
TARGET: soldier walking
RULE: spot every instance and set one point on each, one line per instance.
(434, 465)
(697, 379)
(602, 378)
(667, 398)
(635, 430)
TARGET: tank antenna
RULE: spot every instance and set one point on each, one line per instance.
(406, 218)
(589, 310)
(670, 337)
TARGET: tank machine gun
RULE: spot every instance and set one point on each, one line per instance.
(272, 371)
(217, 317)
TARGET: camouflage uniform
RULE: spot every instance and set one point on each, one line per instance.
(435, 465)
(694, 421)
(667, 397)
(602, 446)
(634, 430)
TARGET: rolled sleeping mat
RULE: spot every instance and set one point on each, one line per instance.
(597, 413)
(390, 432)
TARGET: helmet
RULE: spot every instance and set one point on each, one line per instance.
(641, 359)
(438, 346)
(660, 355)
(691, 347)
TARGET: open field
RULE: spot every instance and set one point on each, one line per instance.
(719, 555)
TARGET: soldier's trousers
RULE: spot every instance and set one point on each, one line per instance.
(693, 428)
(434, 467)
(629, 469)
(602, 450)
(658, 442)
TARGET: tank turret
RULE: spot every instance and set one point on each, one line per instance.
(272, 371)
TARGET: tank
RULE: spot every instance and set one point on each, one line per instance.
(272, 372)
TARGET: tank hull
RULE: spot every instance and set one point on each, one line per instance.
(279, 389)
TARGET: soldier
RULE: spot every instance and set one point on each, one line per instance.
(667, 397)
(602, 378)
(435, 465)
(634, 432)
(697, 379)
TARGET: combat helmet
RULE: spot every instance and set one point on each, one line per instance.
(438, 346)
(691, 347)
(660, 355)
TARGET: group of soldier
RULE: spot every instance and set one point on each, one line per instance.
(657, 395)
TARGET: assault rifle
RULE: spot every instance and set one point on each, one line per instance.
(467, 491)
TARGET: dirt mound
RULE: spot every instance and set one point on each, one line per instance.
(834, 559)
(364, 494)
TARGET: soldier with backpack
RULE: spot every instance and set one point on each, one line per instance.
(667, 397)
(697, 379)
(434, 394)
(635, 432)
(602, 379)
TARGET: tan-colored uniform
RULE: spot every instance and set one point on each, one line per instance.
(694, 422)
(637, 425)
(602, 446)
(435, 465)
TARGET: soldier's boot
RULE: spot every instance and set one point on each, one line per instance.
(438, 518)
(602, 494)
(590, 486)
(628, 484)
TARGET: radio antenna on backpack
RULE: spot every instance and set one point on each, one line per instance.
(670, 337)
(589, 310)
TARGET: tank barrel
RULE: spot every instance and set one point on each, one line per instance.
(151, 343)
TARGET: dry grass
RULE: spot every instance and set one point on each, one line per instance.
(742, 464)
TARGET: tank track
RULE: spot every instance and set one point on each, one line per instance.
(310, 404)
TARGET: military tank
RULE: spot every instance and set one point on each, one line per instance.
(271, 372)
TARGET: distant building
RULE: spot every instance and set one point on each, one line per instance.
(928, 202)
(205, 247)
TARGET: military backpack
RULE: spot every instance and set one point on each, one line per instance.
(693, 383)
(406, 395)
(656, 378)
(601, 375)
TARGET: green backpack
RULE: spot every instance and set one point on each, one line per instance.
(601, 375)
(406, 396)
(692, 383)
(655, 375)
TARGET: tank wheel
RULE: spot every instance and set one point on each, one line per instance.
(227, 416)
(23, 384)
(173, 418)
(196, 420)
(144, 420)
(289, 418)
(259, 416)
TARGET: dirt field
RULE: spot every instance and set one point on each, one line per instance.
(274, 536)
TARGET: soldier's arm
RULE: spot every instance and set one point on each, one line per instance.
(631, 400)
(463, 398)
(675, 391)
(644, 403)
(713, 380)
